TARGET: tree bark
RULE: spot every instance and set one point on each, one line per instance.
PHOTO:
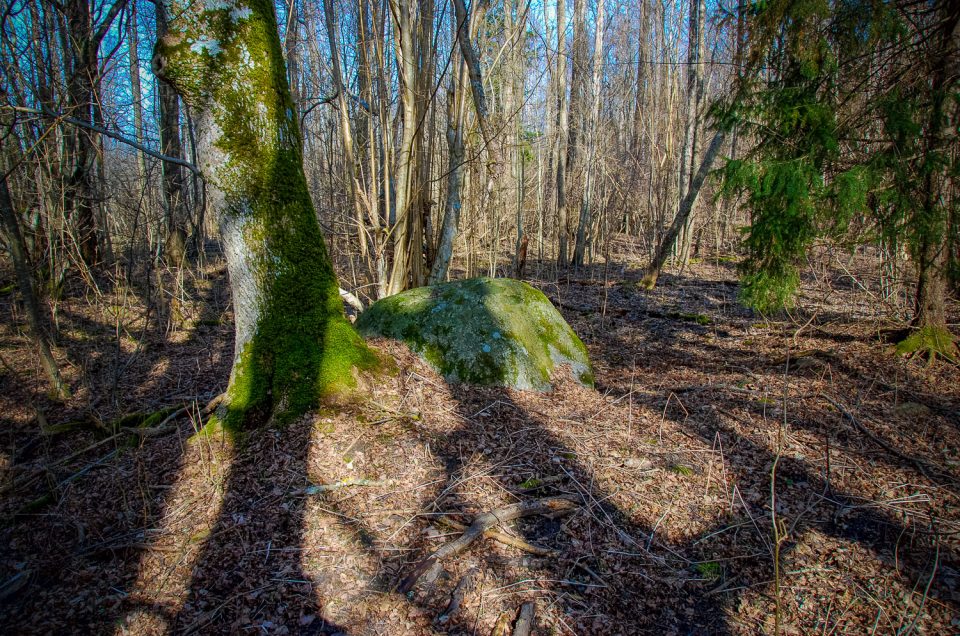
(455, 151)
(81, 54)
(175, 209)
(571, 163)
(346, 132)
(133, 43)
(584, 223)
(293, 343)
(563, 133)
(683, 213)
(688, 153)
(22, 269)
(472, 59)
(406, 250)
(933, 250)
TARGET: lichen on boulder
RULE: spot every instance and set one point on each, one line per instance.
(488, 331)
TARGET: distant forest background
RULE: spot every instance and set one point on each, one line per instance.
(508, 138)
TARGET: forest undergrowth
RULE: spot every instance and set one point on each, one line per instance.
(732, 473)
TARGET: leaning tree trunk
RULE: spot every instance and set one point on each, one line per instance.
(683, 212)
(293, 344)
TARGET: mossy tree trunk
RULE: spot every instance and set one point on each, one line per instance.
(293, 344)
(931, 334)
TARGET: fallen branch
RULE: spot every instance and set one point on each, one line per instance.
(351, 300)
(31, 477)
(478, 528)
(505, 539)
(14, 584)
(346, 483)
(919, 464)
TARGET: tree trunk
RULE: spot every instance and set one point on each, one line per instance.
(21, 266)
(683, 213)
(293, 344)
(569, 164)
(563, 133)
(406, 251)
(592, 124)
(933, 257)
(135, 91)
(175, 212)
(346, 131)
(456, 153)
(487, 132)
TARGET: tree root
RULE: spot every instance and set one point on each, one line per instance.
(932, 342)
(481, 524)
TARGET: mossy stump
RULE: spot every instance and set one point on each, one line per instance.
(483, 331)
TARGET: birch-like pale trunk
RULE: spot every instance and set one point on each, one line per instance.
(407, 217)
(346, 131)
(293, 343)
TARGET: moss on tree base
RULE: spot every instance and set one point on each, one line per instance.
(933, 342)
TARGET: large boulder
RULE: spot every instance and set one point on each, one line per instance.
(492, 331)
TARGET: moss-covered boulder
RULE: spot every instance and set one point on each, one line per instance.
(492, 331)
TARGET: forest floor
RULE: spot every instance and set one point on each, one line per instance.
(699, 405)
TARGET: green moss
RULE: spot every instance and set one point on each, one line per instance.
(482, 331)
(709, 570)
(700, 319)
(228, 62)
(930, 341)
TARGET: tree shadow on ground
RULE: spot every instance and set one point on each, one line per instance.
(248, 574)
(87, 502)
(510, 447)
(603, 562)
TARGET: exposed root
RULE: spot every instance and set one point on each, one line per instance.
(480, 525)
(932, 342)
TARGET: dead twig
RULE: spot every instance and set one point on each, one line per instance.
(480, 525)
(456, 597)
(919, 464)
